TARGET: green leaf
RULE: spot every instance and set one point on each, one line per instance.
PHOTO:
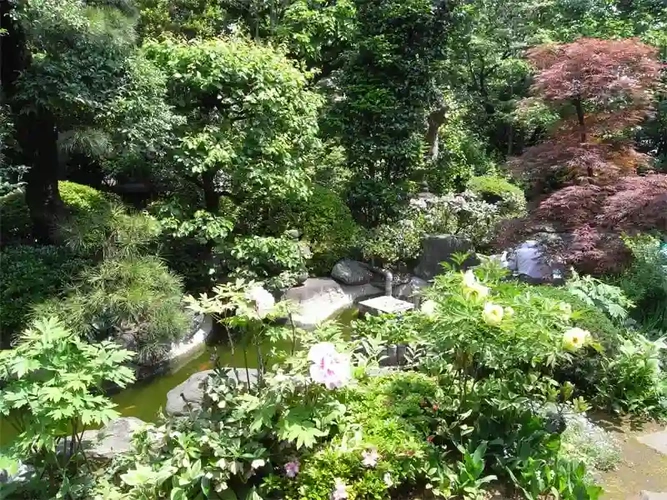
(178, 494)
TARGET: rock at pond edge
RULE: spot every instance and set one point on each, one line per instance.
(351, 272)
(188, 395)
(439, 248)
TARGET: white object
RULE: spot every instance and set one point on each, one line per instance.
(529, 259)
(263, 300)
(386, 305)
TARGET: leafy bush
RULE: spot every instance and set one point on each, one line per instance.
(596, 293)
(391, 451)
(82, 202)
(28, 276)
(51, 384)
(462, 153)
(645, 281)
(278, 262)
(133, 300)
(15, 218)
(499, 191)
(464, 214)
(328, 227)
(585, 316)
(633, 381)
(114, 232)
(393, 244)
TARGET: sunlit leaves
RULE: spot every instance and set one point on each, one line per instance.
(51, 384)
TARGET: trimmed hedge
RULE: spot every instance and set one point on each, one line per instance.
(328, 226)
(80, 200)
(499, 191)
(30, 275)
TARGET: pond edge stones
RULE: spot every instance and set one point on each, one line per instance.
(114, 438)
(319, 299)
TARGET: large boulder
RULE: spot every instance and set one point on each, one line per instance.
(264, 301)
(187, 396)
(439, 248)
(319, 299)
(114, 438)
(351, 273)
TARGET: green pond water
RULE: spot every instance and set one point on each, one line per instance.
(145, 399)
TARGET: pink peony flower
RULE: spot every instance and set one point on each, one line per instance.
(292, 468)
(340, 490)
(370, 457)
(329, 367)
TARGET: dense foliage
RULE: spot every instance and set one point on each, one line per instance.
(321, 422)
(390, 87)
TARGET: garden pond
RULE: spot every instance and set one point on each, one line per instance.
(145, 399)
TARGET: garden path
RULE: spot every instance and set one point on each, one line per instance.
(642, 473)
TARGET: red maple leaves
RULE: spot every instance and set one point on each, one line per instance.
(586, 171)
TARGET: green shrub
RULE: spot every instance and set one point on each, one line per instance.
(645, 282)
(633, 380)
(114, 232)
(584, 316)
(277, 262)
(499, 191)
(389, 410)
(15, 218)
(596, 293)
(463, 214)
(82, 203)
(28, 276)
(327, 226)
(51, 384)
(135, 300)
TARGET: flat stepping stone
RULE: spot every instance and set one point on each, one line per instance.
(385, 305)
(656, 440)
(652, 495)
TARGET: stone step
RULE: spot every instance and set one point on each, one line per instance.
(655, 440)
(652, 495)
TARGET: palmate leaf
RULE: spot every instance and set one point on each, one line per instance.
(54, 394)
(22, 366)
(301, 432)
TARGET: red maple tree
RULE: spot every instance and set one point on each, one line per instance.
(584, 177)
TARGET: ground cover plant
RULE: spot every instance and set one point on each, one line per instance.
(488, 400)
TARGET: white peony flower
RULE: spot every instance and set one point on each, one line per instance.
(575, 338)
(492, 314)
(429, 307)
(329, 367)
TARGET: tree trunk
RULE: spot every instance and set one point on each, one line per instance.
(35, 133)
(42, 194)
(211, 197)
(582, 129)
(435, 121)
(580, 118)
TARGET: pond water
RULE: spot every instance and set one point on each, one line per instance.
(145, 399)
